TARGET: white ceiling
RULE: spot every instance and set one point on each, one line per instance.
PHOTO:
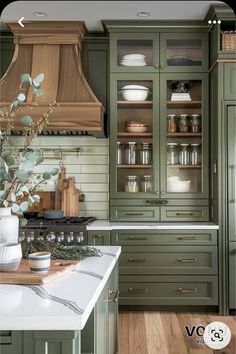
(92, 12)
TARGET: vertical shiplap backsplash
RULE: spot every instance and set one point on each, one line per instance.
(90, 168)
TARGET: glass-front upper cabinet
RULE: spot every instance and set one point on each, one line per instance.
(181, 52)
(134, 52)
(184, 136)
(134, 151)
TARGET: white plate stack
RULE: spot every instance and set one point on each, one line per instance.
(133, 60)
(179, 96)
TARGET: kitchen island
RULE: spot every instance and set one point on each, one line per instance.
(71, 315)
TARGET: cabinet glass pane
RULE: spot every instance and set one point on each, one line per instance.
(131, 52)
(134, 144)
(184, 137)
(184, 52)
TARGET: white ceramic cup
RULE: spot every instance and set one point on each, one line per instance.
(39, 262)
(10, 256)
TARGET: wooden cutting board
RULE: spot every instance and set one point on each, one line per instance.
(24, 276)
(70, 198)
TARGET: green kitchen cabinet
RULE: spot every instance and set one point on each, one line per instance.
(11, 342)
(99, 238)
(232, 275)
(229, 81)
(6, 53)
(95, 61)
(170, 66)
(167, 267)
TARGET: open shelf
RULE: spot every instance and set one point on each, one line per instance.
(136, 135)
(184, 166)
(182, 135)
(146, 104)
(134, 166)
(182, 104)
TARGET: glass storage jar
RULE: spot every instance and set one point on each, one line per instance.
(146, 184)
(132, 184)
(183, 124)
(119, 153)
(172, 153)
(145, 154)
(171, 123)
(184, 154)
(195, 123)
(131, 153)
(195, 154)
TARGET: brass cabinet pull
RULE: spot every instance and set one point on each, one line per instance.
(187, 238)
(186, 291)
(184, 214)
(137, 260)
(138, 290)
(97, 236)
(134, 214)
(116, 295)
(187, 260)
(156, 66)
(137, 238)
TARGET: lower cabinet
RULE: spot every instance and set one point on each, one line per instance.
(167, 267)
(11, 342)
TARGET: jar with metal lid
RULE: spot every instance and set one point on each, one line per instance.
(195, 154)
(131, 153)
(171, 123)
(184, 154)
(183, 124)
(132, 184)
(196, 123)
(146, 184)
(145, 154)
(119, 153)
(172, 153)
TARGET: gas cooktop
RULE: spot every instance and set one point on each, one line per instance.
(67, 220)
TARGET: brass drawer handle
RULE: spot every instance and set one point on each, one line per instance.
(187, 260)
(137, 260)
(187, 238)
(186, 291)
(184, 214)
(116, 296)
(97, 236)
(138, 290)
(137, 238)
(134, 214)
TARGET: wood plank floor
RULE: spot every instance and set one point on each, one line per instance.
(165, 333)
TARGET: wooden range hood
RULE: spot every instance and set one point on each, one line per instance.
(54, 48)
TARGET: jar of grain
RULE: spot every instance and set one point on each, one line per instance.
(171, 123)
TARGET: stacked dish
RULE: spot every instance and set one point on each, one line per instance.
(135, 127)
(133, 60)
(174, 184)
(134, 92)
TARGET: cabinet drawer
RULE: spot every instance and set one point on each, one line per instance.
(164, 237)
(135, 213)
(168, 290)
(188, 213)
(229, 81)
(168, 260)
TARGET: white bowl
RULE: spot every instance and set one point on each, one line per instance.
(175, 186)
(39, 262)
(134, 95)
(10, 256)
(134, 87)
(136, 129)
(134, 56)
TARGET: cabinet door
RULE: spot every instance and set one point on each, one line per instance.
(184, 52)
(134, 143)
(231, 115)
(10, 342)
(134, 52)
(99, 238)
(232, 275)
(184, 136)
(113, 311)
(230, 81)
(101, 323)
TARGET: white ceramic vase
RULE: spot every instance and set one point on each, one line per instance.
(9, 226)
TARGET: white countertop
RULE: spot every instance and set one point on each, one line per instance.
(110, 225)
(63, 304)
